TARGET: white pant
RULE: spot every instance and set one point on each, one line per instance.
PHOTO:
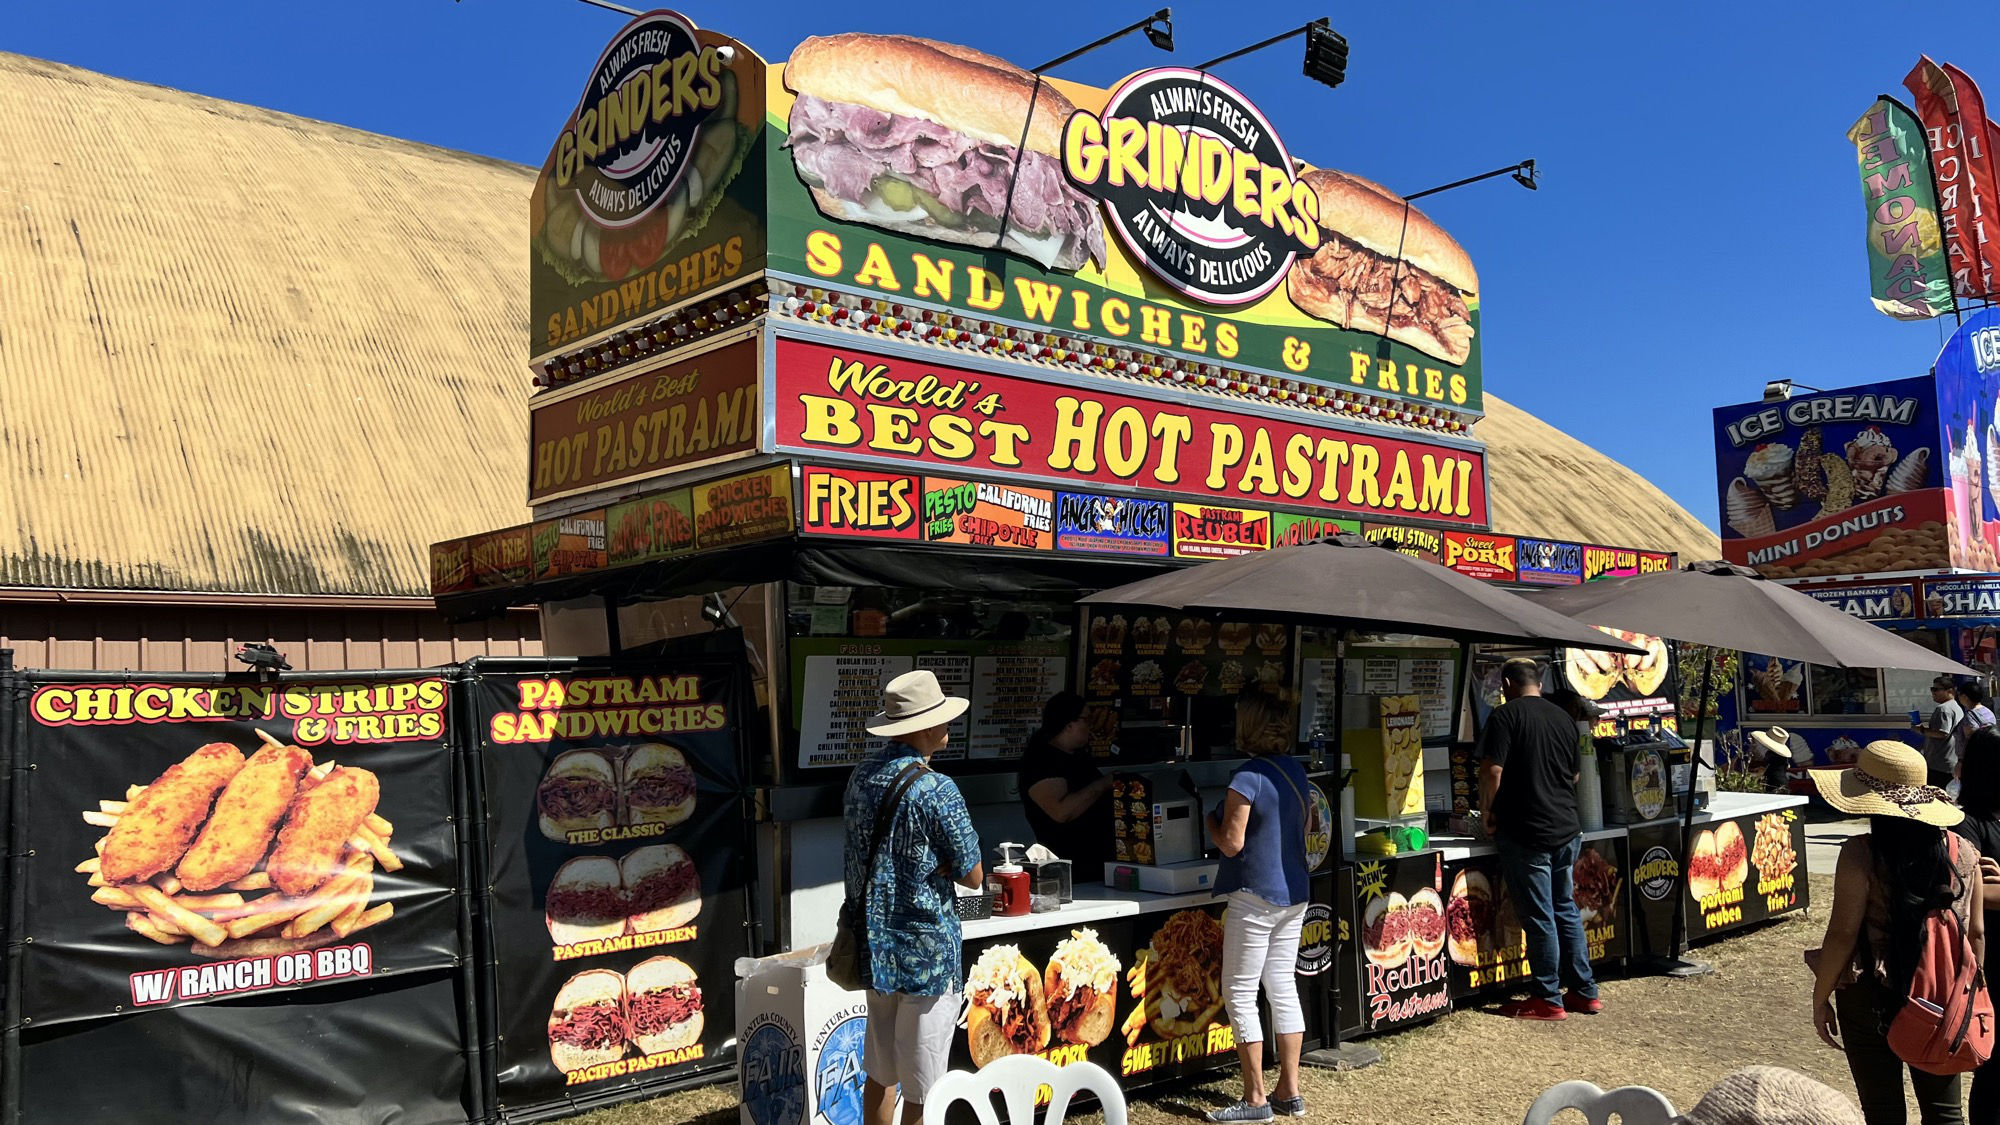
(908, 1042)
(1260, 942)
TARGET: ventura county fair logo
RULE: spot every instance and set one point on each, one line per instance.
(1196, 183)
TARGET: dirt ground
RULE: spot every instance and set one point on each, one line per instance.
(1677, 1036)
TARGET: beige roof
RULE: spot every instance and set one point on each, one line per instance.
(248, 352)
(244, 351)
(1545, 482)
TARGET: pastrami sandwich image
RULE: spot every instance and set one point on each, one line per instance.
(1008, 1013)
(923, 138)
(587, 1026)
(1081, 985)
(596, 897)
(1357, 280)
(664, 1001)
(658, 786)
(579, 792)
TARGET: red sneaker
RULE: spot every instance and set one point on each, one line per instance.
(1582, 1005)
(1534, 1009)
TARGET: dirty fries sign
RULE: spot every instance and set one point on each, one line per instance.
(840, 401)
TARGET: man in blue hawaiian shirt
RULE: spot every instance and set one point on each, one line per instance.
(913, 935)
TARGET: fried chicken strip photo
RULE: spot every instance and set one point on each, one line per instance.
(246, 815)
(157, 827)
(321, 820)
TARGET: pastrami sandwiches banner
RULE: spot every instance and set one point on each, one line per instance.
(615, 828)
(1165, 215)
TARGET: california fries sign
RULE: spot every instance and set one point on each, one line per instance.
(833, 400)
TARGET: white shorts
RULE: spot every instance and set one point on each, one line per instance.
(909, 1041)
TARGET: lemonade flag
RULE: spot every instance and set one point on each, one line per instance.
(1908, 276)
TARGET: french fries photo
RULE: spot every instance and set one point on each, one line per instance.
(242, 857)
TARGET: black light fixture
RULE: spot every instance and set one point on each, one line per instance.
(262, 657)
(1326, 52)
(1159, 29)
(1778, 390)
(1524, 174)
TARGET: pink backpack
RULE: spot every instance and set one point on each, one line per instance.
(1946, 1027)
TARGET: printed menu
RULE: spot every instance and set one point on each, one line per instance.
(837, 685)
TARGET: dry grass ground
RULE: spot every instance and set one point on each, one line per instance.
(1673, 1035)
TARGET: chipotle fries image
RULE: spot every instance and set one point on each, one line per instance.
(239, 857)
(1177, 978)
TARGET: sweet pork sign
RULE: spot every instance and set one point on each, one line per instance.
(836, 400)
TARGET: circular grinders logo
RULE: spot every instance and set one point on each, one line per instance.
(632, 138)
(1656, 874)
(1196, 183)
(1316, 940)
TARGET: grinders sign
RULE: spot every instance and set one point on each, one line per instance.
(1197, 184)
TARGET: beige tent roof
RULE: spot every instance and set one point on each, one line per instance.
(249, 352)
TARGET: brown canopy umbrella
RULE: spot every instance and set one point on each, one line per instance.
(1725, 606)
(1347, 582)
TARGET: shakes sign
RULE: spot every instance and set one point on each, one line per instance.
(1196, 183)
(638, 207)
(930, 174)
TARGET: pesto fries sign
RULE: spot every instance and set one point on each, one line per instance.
(932, 173)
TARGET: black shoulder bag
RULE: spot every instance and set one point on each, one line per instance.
(847, 960)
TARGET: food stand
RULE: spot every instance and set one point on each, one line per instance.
(858, 425)
(1877, 499)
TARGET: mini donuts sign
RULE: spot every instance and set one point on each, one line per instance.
(1196, 183)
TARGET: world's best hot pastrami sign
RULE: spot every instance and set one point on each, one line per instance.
(840, 401)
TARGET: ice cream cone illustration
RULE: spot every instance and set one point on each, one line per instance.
(1869, 456)
(1770, 467)
(1747, 511)
(1912, 471)
(1975, 487)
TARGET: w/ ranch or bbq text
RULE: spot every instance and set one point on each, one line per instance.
(252, 974)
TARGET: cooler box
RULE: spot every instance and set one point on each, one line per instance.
(799, 1041)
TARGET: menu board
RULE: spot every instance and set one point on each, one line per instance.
(1147, 670)
(837, 685)
(1007, 697)
(1430, 678)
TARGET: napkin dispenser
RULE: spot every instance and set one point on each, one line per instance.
(1043, 865)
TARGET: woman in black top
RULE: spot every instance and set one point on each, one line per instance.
(1065, 797)
(1979, 796)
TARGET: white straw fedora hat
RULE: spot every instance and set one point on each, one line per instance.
(1888, 779)
(912, 702)
(1777, 741)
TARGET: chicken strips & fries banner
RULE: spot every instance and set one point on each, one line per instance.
(616, 831)
(195, 840)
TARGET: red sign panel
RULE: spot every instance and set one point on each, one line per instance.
(1487, 557)
(853, 502)
(839, 400)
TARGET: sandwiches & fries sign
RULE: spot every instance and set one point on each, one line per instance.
(936, 174)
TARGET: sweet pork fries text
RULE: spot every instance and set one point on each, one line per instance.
(288, 849)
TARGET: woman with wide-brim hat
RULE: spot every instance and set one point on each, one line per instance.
(1888, 881)
(1777, 746)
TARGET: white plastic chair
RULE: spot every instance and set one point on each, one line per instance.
(1019, 1078)
(1633, 1105)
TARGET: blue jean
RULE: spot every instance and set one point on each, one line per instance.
(1543, 883)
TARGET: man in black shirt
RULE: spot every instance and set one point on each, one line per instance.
(1527, 801)
(1066, 799)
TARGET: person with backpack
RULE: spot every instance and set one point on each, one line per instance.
(1906, 933)
(1979, 797)
(1261, 832)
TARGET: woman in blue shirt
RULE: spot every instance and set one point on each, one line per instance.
(1261, 831)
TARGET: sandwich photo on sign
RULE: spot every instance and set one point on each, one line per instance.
(587, 791)
(595, 898)
(923, 138)
(1355, 279)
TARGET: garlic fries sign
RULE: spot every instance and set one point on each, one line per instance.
(199, 838)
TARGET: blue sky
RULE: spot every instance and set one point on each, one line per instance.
(1698, 230)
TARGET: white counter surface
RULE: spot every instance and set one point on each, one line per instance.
(1094, 903)
(1729, 806)
(1465, 847)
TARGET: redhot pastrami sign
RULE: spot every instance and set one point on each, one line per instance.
(839, 401)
